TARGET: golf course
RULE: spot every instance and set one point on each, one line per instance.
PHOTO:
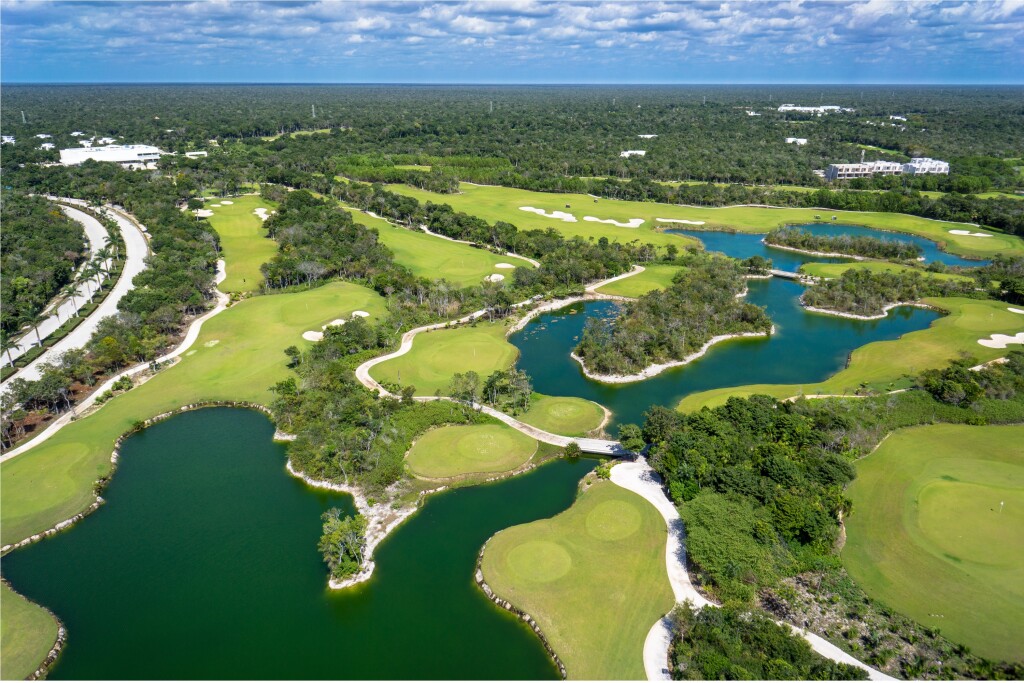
(566, 415)
(592, 577)
(833, 270)
(466, 450)
(243, 241)
(653, 277)
(937, 528)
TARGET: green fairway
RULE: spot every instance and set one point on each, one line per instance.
(435, 257)
(502, 203)
(658, 276)
(880, 363)
(937, 532)
(437, 355)
(832, 270)
(565, 415)
(593, 578)
(27, 633)
(460, 450)
(238, 356)
(243, 241)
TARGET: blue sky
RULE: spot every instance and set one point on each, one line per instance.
(799, 41)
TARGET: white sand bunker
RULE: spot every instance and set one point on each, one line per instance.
(212, 343)
(360, 314)
(226, 202)
(504, 265)
(560, 215)
(497, 277)
(679, 220)
(214, 206)
(203, 213)
(999, 341)
(968, 233)
(633, 222)
(1011, 309)
(335, 323)
(312, 336)
(262, 213)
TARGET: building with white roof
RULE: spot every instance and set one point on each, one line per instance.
(129, 156)
(46, 145)
(43, 136)
(648, 136)
(77, 133)
(825, 109)
(864, 169)
(797, 141)
(6, 139)
(633, 153)
(923, 165)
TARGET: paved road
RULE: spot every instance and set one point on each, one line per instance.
(136, 250)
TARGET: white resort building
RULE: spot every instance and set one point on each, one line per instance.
(866, 169)
(633, 153)
(797, 141)
(825, 109)
(129, 156)
(922, 165)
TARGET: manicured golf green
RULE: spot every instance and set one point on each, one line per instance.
(244, 244)
(462, 450)
(658, 276)
(238, 356)
(501, 203)
(27, 633)
(434, 257)
(437, 355)
(832, 270)
(592, 577)
(878, 364)
(937, 532)
(565, 415)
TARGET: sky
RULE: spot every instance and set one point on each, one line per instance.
(515, 41)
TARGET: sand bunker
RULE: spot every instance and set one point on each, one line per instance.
(312, 336)
(968, 233)
(1011, 309)
(560, 215)
(262, 213)
(633, 222)
(226, 202)
(503, 265)
(495, 278)
(360, 314)
(203, 213)
(678, 220)
(335, 322)
(214, 206)
(999, 341)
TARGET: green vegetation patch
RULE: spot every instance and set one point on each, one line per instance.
(238, 356)
(658, 276)
(460, 450)
(937, 530)
(27, 633)
(243, 241)
(593, 578)
(565, 415)
(436, 356)
(833, 270)
(432, 257)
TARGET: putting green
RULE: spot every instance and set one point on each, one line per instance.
(434, 257)
(878, 364)
(937, 532)
(27, 633)
(501, 203)
(565, 415)
(237, 357)
(460, 450)
(244, 244)
(833, 270)
(437, 355)
(592, 577)
(658, 276)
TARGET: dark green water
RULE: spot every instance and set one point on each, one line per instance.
(203, 564)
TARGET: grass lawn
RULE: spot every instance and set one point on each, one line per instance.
(928, 537)
(436, 356)
(27, 633)
(238, 356)
(565, 415)
(658, 276)
(413, 167)
(243, 241)
(502, 203)
(460, 450)
(593, 578)
(831, 270)
(880, 363)
(434, 257)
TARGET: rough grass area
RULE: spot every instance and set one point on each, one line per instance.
(565, 415)
(658, 276)
(244, 244)
(502, 203)
(833, 270)
(461, 450)
(937, 532)
(593, 578)
(27, 633)
(881, 364)
(437, 355)
(238, 356)
(434, 257)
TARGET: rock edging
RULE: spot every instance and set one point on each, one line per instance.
(478, 576)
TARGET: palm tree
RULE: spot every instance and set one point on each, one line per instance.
(34, 321)
(7, 344)
(88, 272)
(70, 291)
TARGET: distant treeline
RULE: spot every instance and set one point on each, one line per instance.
(870, 247)
(860, 291)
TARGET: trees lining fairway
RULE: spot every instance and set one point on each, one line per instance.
(592, 577)
(243, 241)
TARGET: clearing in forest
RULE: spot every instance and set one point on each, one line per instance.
(657, 276)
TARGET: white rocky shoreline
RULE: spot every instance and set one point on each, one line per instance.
(854, 316)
